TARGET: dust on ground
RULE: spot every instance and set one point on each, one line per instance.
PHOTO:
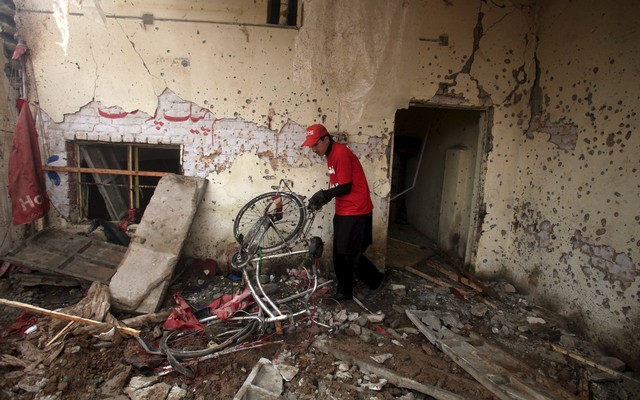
(87, 367)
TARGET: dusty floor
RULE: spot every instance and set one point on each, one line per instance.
(85, 367)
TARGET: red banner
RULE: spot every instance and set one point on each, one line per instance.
(26, 181)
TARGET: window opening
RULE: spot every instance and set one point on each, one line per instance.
(136, 172)
(282, 12)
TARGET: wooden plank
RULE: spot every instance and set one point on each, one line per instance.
(498, 371)
(402, 254)
(69, 254)
(103, 171)
(35, 279)
(591, 363)
(56, 314)
(464, 293)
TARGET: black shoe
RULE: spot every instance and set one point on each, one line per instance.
(373, 293)
(342, 296)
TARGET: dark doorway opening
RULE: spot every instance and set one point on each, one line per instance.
(435, 178)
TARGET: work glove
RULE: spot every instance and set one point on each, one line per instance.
(317, 200)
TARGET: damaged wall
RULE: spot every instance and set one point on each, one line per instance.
(576, 224)
(559, 178)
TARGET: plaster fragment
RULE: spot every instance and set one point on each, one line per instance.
(615, 266)
(542, 234)
(563, 135)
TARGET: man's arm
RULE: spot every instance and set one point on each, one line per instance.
(322, 197)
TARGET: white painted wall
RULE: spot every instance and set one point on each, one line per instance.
(560, 221)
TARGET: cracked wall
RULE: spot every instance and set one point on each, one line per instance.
(578, 173)
(554, 78)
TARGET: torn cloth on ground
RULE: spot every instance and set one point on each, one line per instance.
(20, 325)
(182, 317)
(227, 305)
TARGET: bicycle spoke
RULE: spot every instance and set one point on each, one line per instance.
(285, 222)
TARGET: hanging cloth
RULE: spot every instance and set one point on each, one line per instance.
(26, 181)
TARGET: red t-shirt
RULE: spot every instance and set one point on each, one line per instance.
(344, 167)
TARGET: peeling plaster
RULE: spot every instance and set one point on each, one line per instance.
(616, 266)
(543, 233)
(563, 135)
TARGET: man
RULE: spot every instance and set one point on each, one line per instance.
(353, 220)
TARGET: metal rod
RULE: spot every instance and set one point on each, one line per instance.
(268, 299)
(255, 295)
(272, 256)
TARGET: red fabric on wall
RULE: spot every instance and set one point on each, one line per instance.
(26, 181)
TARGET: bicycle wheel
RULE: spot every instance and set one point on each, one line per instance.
(217, 335)
(285, 222)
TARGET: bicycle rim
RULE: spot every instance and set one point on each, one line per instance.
(217, 335)
(282, 230)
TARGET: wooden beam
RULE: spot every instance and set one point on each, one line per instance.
(590, 363)
(56, 314)
(103, 171)
(439, 282)
(458, 277)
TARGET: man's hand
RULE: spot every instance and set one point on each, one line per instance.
(317, 200)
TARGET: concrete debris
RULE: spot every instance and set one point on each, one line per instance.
(113, 386)
(324, 345)
(398, 290)
(448, 327)
(496, 370)
(288, 372)
(451, 321)
(376, 318)
(352, 316)
(536, 320)
(479, 310)
(355, 329)
(381, 358)
(509, 288)
(143, 276)
(409, 330)
(376, 386)
(32, 383)
(343, 366)
(344, 375)
(340, 317)
(264, 382)
(611, 362)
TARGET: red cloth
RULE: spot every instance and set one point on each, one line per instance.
(344, 167)
(182, 318)
(133, 217)
(21, 324)
(26, 181)
(225, 306)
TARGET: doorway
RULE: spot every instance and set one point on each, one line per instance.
(436, 178)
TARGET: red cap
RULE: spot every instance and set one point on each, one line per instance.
(315, 133)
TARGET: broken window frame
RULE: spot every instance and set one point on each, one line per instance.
(132, 173)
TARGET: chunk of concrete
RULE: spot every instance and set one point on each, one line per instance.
(143, 276)
(264, 382)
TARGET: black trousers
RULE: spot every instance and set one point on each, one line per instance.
(352, 235)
